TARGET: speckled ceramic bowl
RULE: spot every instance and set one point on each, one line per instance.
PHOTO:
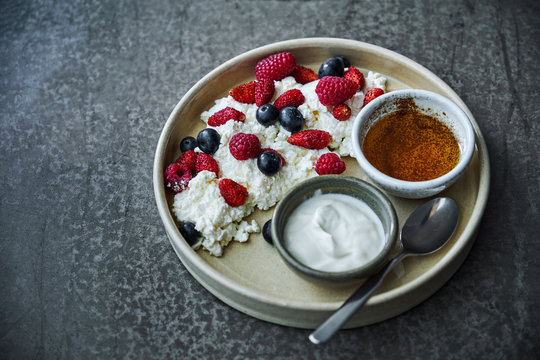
(336, 184)
(432, 104)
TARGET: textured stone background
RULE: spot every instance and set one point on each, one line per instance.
(86, 270)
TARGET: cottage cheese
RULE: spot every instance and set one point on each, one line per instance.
(374, 80)
(218, 222)
(265, 190)
(202, 203)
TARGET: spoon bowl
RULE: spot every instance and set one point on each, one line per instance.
(426, 230)
(430, 226)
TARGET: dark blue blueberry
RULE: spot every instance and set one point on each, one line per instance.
(291, 119)
(189, 232)
(332, 67)
(267, 232)
(267, 114)
(346, 61)
(269, 162)
(208, 140)
(188, 143)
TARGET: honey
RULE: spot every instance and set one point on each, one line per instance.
(410, 145)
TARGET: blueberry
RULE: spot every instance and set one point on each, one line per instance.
(346, 61)
(267, 232)
(208, 140)
(267, 114)
(332, 67)
(291, 119)
(188, 143)
(189, 232)
(269, 162)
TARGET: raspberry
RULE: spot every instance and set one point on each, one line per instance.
(244, 93)
(293, 97)
(206, 162)
(311, 139)
(355, 75)
(233, 193)
(244, 146)
(188, 159)
(177, 177)
(303, 75)
(184, 181)
(224, 115)
(330, 163)
(342, 112)
(333, 90)
(264, 91)
(275, 67)
(278, 154)
(175, 170)
(372, 94)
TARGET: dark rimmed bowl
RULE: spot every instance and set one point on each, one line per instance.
(351, 186)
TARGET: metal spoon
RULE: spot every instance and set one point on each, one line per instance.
(426, 230)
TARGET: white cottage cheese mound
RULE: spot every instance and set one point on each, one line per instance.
(202, 203)
(218, 222)
(375, 80)
(318, 116)
(265, 190)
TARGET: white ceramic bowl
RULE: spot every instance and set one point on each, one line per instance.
(432, 104)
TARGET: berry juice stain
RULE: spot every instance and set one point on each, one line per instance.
(409, 145)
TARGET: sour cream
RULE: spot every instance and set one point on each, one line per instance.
(334, 233)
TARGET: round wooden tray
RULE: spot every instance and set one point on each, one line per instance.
(251, 277)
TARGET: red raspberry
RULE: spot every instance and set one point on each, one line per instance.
(278, 154)
(342, 112)
(303, 75)
(183, 183)
(293, 97)
(275, 67)
(334, 90)
(224, 115)
(189, 159)
(311, 139)
(355, 75)
(264, 91)
(244, 146)
(175, 170)
(372, 94)
(330, 163)
(244, 93)
(206, 162)
(233, 193)
(177, 177)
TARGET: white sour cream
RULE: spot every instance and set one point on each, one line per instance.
(334, 233)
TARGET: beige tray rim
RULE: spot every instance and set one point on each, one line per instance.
(192, 259)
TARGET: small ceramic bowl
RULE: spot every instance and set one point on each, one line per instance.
(429, 103)
(351, 186)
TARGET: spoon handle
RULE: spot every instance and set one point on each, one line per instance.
(328, 328)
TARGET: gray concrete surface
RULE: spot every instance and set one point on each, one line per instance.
(86, 270)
